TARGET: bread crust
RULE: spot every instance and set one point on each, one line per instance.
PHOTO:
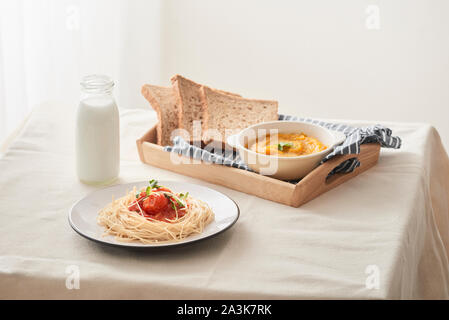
(189, 110)
(234, 108)
(178, 97)
(156, 96)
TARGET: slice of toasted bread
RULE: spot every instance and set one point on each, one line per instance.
(191, 108)
(163, 102)
(231, 114)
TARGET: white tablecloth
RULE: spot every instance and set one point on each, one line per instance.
(391, 223)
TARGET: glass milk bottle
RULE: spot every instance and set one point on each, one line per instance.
(97, 132)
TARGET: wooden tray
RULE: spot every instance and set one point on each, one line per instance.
(311, 186)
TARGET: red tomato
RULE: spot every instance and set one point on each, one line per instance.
(133, 207)
(142, 194)
(155, 203)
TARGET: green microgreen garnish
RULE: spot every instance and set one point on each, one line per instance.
(169, 197)
(283, 145)
(153, 185)
(183, 196)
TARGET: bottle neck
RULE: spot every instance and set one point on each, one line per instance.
(97, 85)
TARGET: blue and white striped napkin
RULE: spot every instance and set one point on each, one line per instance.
(354, 138)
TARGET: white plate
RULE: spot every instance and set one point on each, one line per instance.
(83, 215)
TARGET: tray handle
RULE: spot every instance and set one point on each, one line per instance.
(317, 182)
(321, 173)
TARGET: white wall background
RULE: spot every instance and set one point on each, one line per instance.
(47, 46)
(319, 58)
(383, 60)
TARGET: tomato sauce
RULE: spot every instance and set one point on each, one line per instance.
(157, 205)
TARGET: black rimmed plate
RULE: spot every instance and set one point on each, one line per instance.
(83, 215)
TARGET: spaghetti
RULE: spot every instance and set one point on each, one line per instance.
(154, 215)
